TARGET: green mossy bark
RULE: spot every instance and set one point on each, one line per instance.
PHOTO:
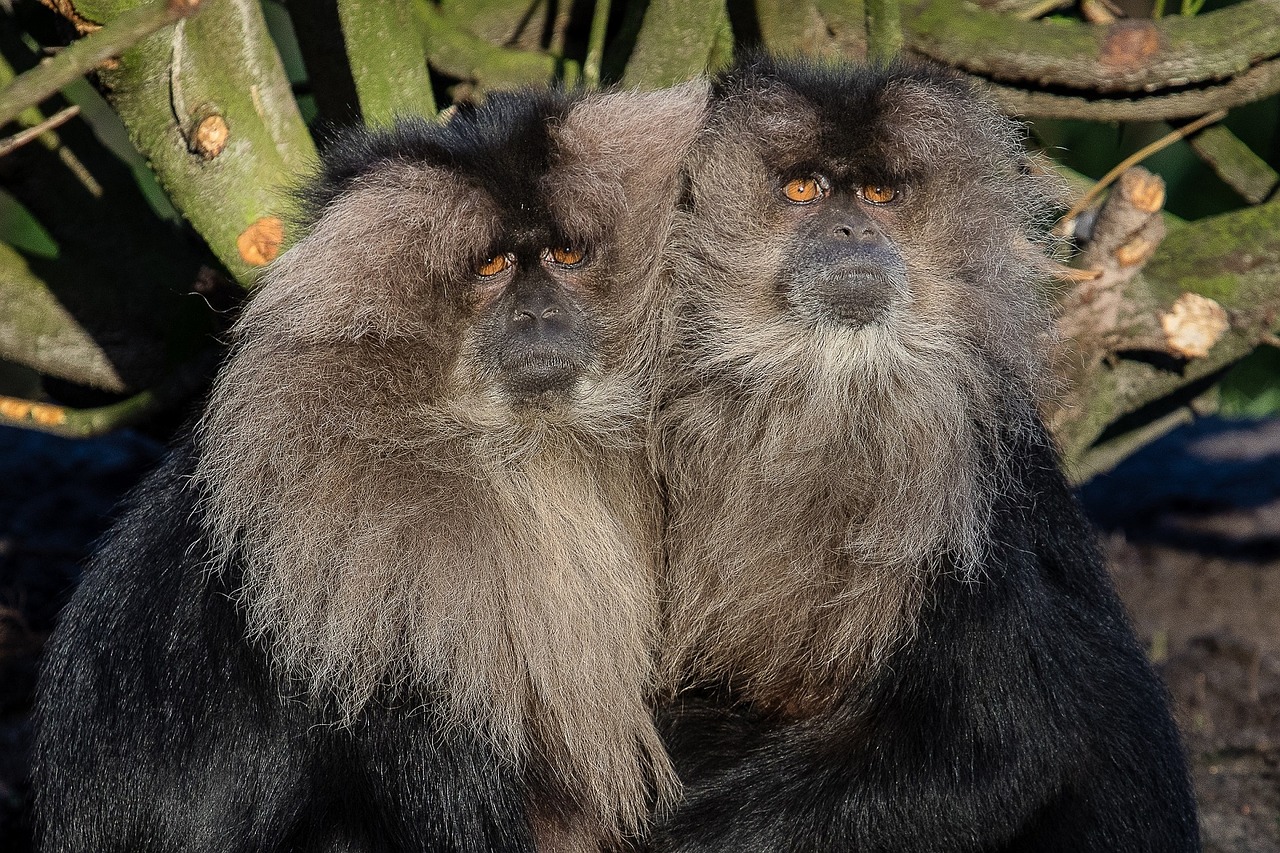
(678, 40)
(1235, 163)
(515, 24)
(458, 52)
(387, 59)
(222, 62)
(1233, 259)
(1128, 56)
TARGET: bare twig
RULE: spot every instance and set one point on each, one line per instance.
(54, 121)
(89, 52)
(1137, 157)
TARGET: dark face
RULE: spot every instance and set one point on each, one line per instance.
(843, 267)
(533, 325)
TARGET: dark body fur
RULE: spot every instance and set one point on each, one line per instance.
(890, 628)
(162, 729)
(396, 591)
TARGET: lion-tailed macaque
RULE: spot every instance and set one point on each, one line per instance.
(396, 590)
(889, 625)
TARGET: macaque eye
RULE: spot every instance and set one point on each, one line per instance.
(877, 193)
(565, 256)
(494, 265)
(805, 190)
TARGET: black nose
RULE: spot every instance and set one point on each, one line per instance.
(540, 312)
(863, 232)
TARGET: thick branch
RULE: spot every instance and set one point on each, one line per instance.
(458, 52)
(90, 52)
(1232, 260)
(1134, 56)
(884, 30)
(1260, 81)
(677, 41)
(388, 63)
(835, 28)
(515, 24)
(208, 104)
(595, 43)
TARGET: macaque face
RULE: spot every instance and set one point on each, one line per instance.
(534, 321)
(844, 266)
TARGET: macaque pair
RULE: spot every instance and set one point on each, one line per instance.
(621, 471)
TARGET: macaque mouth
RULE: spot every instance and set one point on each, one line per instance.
(852, 294)
(541, 370)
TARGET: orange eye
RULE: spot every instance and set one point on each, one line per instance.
(804, 190)
(565, 256)
(877, 194)
(493, 266)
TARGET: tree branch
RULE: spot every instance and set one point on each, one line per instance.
(108, 310)
(1260, 81)
(884, 30)
(83, 423)
(595, 44)
(458, 52)
(1237, 165)
(677, 41)
(1129, 56)
(209, 106)
(387, 59)
(89, 52)
(53, 122)
(1230, 261)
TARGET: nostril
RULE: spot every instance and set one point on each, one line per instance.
(870, 234)
(522, 315)
(550, 312)
(843, 231)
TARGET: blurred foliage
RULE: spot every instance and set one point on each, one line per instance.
(190, 267)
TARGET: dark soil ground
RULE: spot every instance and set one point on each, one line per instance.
(1191, 525)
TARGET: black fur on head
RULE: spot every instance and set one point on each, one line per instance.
(425, 452)
(837, 362)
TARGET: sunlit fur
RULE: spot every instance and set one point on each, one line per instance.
(403, 525)
(819, 473)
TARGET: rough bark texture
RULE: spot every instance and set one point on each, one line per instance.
(387, 59)
(217, 68)
(1125, 350)
(1130, 55)
(679, 39)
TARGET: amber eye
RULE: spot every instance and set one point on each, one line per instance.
(805, 190)
(492, 266)
(878, 194)
(565, 256)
